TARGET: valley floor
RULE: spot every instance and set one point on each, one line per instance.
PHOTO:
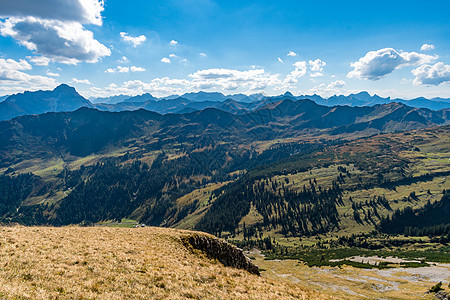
(355, 283)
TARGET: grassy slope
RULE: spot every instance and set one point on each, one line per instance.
(427, 151)
(121, 263)
(424, 151)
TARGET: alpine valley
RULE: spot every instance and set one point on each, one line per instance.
(300, 178)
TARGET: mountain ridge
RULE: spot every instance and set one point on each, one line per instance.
(66, 98)
(89, 130)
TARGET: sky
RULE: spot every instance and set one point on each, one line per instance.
(165, 47)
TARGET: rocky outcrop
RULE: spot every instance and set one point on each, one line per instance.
(441, 295)
(227, 254)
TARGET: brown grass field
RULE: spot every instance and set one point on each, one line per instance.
(123, 263)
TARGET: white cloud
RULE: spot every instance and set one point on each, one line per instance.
(317, 67)
(336, 84)
(80, 11)
(172, 55)
(165, 60)
(224, 80)
(124, 60)
(13, 79)
(65, 42)
(39, 60)
(327, 90)
(136, 41)
(157, 87)
(299, 71)
(427, 47)
(202, 54)
(432, 74)
(280, 60)
(11, 64)
(173, 43)
(218, 79)
(120, 69)
(377, 64)
(228, 79)
(136, 69)
(292, 53)
(52, 74)
(81, 81)
(53, 29)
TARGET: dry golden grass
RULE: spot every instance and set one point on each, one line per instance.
(122, 263)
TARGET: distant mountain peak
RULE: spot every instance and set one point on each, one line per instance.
(64, 87)
(288, 94)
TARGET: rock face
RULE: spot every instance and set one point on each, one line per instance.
(441, 295)
(227, 254)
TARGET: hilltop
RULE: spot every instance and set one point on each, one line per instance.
(122, 263)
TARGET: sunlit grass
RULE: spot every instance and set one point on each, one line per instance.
(121, 263)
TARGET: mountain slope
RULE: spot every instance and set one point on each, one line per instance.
(87, 131)
(62, 98)
(343, 189)
(141, 263)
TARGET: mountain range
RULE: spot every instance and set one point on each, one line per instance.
(281, 166)
(66, 98)
(89, 130)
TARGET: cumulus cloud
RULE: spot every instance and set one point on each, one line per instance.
(39, 60)
(336, 84)
(172, 55)
(120, 69)
(427, 47)
(327, 90)
(54, 29)
(13, 79)
(124, 60)
(377, 64)
(202, 54)
(67, 43)
(292, 53)
(299, 71)
(80, 11)
(82, 81)
(316, 67)
(228, 79)
(173, 43)
(52, 74)
(157, 87)
(218, 79)
(432, 74)
(280, 60)
(165, 60)
(135, 40)
(11, 64)
(136, 69)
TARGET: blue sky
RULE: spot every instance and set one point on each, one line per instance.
(397, 49)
